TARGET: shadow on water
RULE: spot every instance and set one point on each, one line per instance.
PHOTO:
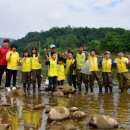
(22, 117)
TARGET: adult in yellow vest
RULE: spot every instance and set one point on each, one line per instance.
(80, 61)
(60, 71)
(12, 58)
(107, 73)
(36, 69)
(52, 71)
(95, 74)
(26, 70)
(71, 69)
(52, 50)
(122, 71)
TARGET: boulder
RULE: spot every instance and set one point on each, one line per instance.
(58, 94)
(78, 114)
(19, 92)
(103, 122)
(4, 126)
(73, 109)
(58, 113)
(66, 89)
(39, 106)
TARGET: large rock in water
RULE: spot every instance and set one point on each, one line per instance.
(58, 94)
(58, 113)
(19, 92)
(103, 122)
(66, 89)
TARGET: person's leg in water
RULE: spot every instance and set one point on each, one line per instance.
(74, 81)
(86, 81)
(54, 83)
(79, 77)
(91, 81)
(99, 80)
(2, 69)
(34, 80)
(39, 79)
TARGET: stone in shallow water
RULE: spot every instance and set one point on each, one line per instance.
(39, 106)
(103, 122)
(72, 109)
(58, 94)
(78, 114)
(59, 113)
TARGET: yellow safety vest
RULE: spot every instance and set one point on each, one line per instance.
(12, 61)
(80, 60)
(60, 72)
(93, 63)
(52, 68)
(35, 63)
(69, 62)
(26, 64)
(106, 65)
(121, 65)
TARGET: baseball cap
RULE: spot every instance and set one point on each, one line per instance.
(52, 46)
(107, 52)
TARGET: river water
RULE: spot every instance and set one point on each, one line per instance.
(19, 114)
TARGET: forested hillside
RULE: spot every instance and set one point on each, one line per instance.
(112, 39)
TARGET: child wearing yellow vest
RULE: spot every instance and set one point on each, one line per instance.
(95, 74)
(12, 59)
(107, 73)
(60, 71)
(52, 71)
(36, 69)
(71, 69)
(122, 71)
(26, 70)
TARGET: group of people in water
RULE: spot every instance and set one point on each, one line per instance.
(80, 68)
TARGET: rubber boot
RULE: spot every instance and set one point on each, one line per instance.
(28, 88)
(106, 89)
(86, 89)
(79, 87)
(91, 89)
(110, 89)
(39, 87)
(34, 88)
(24, 87)
(100, 89)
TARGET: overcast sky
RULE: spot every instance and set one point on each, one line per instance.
(18, 17)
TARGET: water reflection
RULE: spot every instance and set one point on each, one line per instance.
(22, 117)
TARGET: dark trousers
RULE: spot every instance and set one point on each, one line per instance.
(36, 76)
(52, 83)
(71, 80)
(26, 78)
(61, 82)
(2, 70)
(124, 80)
(95, 75)
(11, 73)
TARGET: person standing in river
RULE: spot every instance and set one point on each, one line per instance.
(25, 62)
(94, 70)
(107, 73)
(12, 58)
(36, 69)
(122, 71)
(3, 63)
(80, 61)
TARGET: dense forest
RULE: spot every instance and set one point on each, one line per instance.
(112, 39)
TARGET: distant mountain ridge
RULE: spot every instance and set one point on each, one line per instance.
(1, 39)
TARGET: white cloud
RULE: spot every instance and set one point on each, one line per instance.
(19, 17)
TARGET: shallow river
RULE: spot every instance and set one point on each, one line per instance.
(116, 105)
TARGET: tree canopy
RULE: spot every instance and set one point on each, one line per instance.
(101, 39)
